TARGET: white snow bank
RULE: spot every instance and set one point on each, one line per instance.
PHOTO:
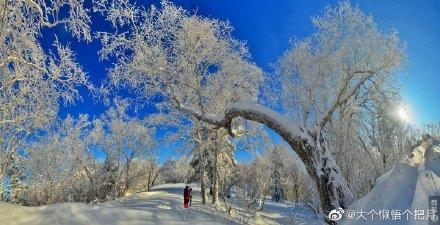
(402, 191)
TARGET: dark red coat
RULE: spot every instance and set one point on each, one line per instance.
(187, 192)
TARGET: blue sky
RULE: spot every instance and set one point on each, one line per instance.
(267, 27)
(418, 25)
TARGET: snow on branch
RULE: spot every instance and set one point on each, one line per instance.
(254, 112)
(343, 99)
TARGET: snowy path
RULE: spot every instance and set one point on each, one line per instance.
(161, 206)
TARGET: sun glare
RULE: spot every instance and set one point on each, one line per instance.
(403, 114)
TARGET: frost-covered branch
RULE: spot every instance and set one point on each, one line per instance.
(77, 21)
(254, 112)
(343, 96)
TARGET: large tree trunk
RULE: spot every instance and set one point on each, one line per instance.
(127, 179)
(215, 177)
(322, 168)
(319, 162)
(153, 181)
(202, 161)
(203, 187)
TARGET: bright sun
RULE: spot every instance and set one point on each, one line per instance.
(403, 114)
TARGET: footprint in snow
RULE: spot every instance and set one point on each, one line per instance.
(164, 206)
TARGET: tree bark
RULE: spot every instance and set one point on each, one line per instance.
(153, 173)
(201, 161)
(127, 178)
(215, 177)
(203, 187)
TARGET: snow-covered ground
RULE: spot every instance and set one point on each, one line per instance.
(403, 190)
(401, 196)
(163, 205)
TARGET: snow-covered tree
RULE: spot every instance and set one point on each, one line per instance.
(322, 74)
(175, 171)
(222, 164)
(196, 68)
(200, 160)
(153, 172)
(57, 161)
(433, 129)
(276, 157)
(16, 179)
(253, 184)
(63, 164)
(185, 58)
(122, 139)
(33, 80)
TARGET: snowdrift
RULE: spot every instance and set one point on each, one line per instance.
(402, 196)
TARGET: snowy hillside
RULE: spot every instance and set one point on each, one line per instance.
(401, 196)
(163, 205)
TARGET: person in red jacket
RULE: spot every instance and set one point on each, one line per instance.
(187, 197)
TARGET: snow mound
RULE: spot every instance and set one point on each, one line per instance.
(402, 191)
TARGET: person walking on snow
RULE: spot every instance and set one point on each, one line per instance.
(187, 197)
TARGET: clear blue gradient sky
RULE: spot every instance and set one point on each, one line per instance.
(418, 23)
(267, 27)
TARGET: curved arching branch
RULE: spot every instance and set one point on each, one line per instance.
(319, 163)
(300, 140)
(286, 128)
